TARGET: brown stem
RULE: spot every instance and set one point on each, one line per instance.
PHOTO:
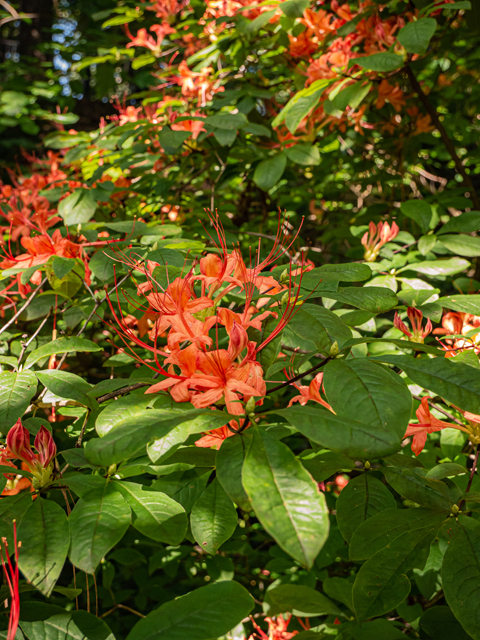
(432, 112)
(27, 303)
(122, 392)
(300, 376)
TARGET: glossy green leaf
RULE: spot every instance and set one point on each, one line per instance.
(16, 391)
(214, 518)
(98, 521)
(382, 62)
(339, 589)
(464, 304)
(354, 439)
(75, 625)
(202, 614)
(458, 383)
(359, 387)
(462, 245)
(78, 207)
(410, 484)
(279, 489)
(440, 624)
(362, 498)
(269, 171)
(45, 540)
(447, 267)
(381, 584)
(61, 345)
(67, 385)
(185, 487)
(384, 527)
(446, 470)
(416, 35)
(229, 464)
(374, 299)
(300, 105)
(305, 154)
(129, 437)
(300, 600)
(321, 465)
(122, 409)
(418, 210)
(154, 514)
(461, 578)
(465, 223)
(348, 271)
(294, 8)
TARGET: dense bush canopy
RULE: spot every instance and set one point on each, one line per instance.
(240, 335)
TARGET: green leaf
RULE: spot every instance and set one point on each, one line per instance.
(16, 391)
(360, 441)
(260, 21)
(78, 207)
(339, 589)
(214, 518)
(227, 121)
(458, 383)
(440, 624)
(69, 284)
(185, 487)
(359, 387)
(61, 345)
(172, 141)
(464, 304)
(121, 409)
(62, 266)
(381, 62)
(381, 584)
(415, 36)
(433, 268)
(143, 60)
(207, 612)
(376, 629)
(461, 579)
(426, 244)
(300, 600)
(320, 326)
(77, 625)
(465, 223)
(279, 487)
(300, 105)
(306, 154)
(154, 514)
(348, 271)
(419, 211)
(229, 464)
(129, 437)
(352, 96)
(446, 470)
(45, 541)
(67, 385)
(102, 264)
(98, 521)
(410, 484)
(461, 245)
(269, 171)
(384, 527)
(13, 508)
(454, 6)
(294, 8)
(323, 464)
(362, 498)
(373, 299)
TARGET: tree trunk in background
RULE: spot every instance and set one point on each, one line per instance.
(33, 35)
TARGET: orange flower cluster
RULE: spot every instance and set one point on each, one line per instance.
(208, 357)
(460, 324)
(277, 629)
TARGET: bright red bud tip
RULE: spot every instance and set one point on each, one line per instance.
(45, 446)
(18, 441)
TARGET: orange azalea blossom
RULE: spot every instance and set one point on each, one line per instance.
(277, 629)
(376, 236)
(200, 346)
(418, 333)
(393, 95)
(312, 392)
(144, 39)
(40, 464)
(428, 424)
(197, 84)
(457, 323)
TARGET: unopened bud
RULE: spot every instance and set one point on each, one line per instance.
(250, 407)
(367, 465)
(112, 469)
(285, 277)
(455, 510)
(334, 350)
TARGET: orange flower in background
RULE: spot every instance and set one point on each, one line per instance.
(277, 629)
(312, 392)
(377, 236)
(458, 323)
(391, 94)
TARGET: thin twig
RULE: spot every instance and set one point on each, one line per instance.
(122, 606)
(432, 112)
(300, 376)
(30, 340)
(122, 392)
(20, 311)
(78, 444)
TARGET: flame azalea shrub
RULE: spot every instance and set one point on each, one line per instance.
(240, 335)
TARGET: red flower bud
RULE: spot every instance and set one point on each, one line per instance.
(45, 446)
(18, 441)
(238, 341)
